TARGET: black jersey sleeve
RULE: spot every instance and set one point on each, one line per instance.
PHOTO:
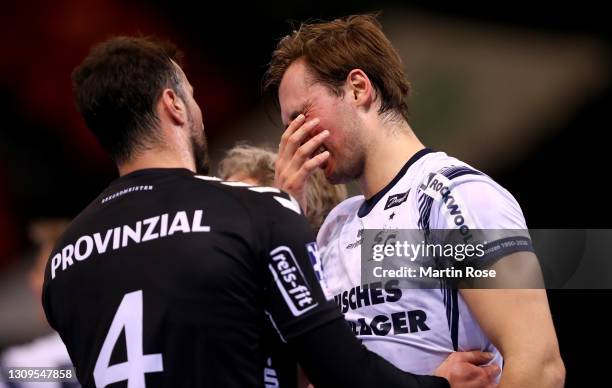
(294, 299)
(332, 356)
(313, 326)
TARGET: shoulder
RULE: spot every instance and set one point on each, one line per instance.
(441, 164)
(338, 216)
(345, 208)
(458, 188)
(450, 175)
(260, 198)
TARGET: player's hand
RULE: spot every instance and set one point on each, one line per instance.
(296, 157)
(464, 370)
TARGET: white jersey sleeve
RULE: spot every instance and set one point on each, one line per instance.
(462, 198)
(483, 202)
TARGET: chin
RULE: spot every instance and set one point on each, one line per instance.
(328, 170)
(336, 179)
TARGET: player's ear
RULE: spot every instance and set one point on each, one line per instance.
(360, 91)
(173, 106)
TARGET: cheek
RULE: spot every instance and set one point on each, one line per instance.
(335, 131)
(335, 142)
(332, 140)
(330, 120)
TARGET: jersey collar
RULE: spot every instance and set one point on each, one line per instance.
(152, 172)
(367, 206)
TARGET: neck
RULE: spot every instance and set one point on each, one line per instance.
(386, 155)
(154, 158)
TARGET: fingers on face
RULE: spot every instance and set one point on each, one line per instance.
(297, 155)
(308, 167)
(315, 162)
(298, 137)
(308, 148)
(291, 129)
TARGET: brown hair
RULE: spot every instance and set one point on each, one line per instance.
(258, 163)
(332, 49)
(116, 89)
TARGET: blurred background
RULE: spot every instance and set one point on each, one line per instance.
(522, 92)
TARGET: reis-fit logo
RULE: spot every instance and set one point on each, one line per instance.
(291, 281)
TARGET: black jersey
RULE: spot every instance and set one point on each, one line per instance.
(168, 278)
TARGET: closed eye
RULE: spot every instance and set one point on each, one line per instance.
(303, 110)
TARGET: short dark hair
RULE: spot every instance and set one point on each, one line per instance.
(116, 89)
(332, 49)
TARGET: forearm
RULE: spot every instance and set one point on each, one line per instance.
(529, 371)
(529, 345)
(331, 356)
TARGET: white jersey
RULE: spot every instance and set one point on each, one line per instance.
(415, 329)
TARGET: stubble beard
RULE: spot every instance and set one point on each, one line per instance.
(199, 147)
(351, 164)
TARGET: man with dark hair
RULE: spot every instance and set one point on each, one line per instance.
(167, 277)
(342, 93)
(116, 90)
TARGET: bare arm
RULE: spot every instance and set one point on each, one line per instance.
(519, 324)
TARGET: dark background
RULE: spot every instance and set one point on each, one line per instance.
(50, 165)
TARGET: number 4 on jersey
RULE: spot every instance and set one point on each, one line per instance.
(128, 316)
